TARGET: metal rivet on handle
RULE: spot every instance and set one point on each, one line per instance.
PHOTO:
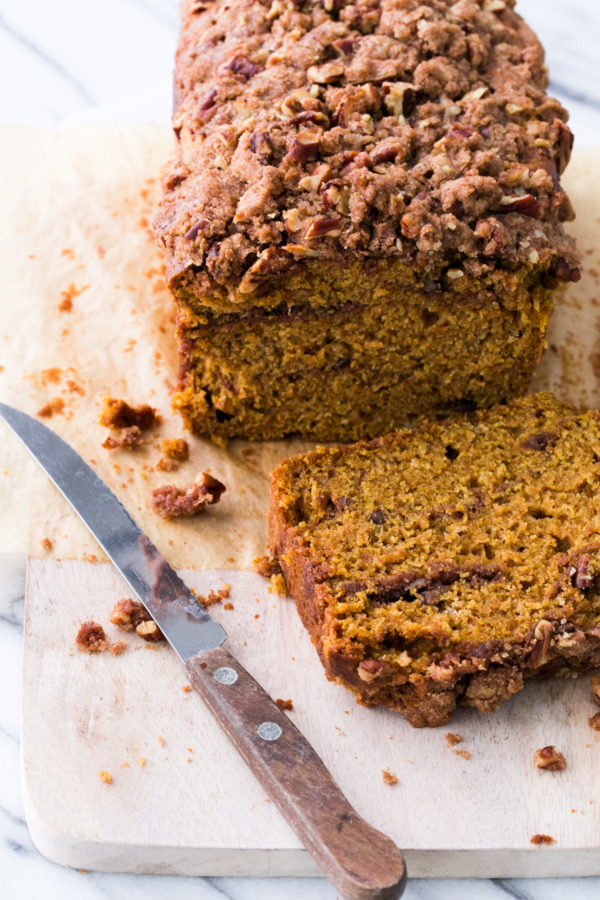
(225, 675)
(269, 731)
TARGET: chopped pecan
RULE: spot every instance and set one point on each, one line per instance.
(304, 147)
(260, 144)
(324, 228)
(197, 227)
(399, 97)
(540, 653)
(150, 632)
(370, 669)
(542, 839)
(313, 182)
(345, 46)
(581, 573)
(549, 758)
(239, 65)
(207, 108)
(127, 614)
(527, 205)
(326, 73)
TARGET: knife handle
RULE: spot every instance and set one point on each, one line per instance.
(362, 863)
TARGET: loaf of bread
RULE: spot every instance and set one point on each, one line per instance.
(447, 563)
(362, 219)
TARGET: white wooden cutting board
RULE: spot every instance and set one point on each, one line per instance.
(193, 808)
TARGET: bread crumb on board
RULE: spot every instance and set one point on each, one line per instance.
(285, 704)
(388, 778)
(542, 839)
(452, 739)
(549, 758)
(91, 638)
(106, 777)
(463, 753)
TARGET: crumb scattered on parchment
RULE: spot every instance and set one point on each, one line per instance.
(186, 688)
(594, 722)
(266, 566)
(90, 557)
(388, 778)
(452, 739)
(106, 777)
(118, 648)
(46, 543)
(464, 753)
(549, 758)
(215, 596)
(142, 761)
(91, 638)
(53, 407)
(126, 439)
(161, 740)
(66, 303)
(542, 839)
(170, 501)
(176, 448)
(116, 414)
(285, 704)
(228, 606)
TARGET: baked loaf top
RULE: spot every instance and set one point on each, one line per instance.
(326, 130)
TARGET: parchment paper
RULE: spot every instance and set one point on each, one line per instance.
(74, 224)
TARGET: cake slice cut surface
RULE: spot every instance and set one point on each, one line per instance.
(445, 564)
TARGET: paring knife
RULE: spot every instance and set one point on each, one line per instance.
(362, 863)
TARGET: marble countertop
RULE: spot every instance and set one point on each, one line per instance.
(73, 61)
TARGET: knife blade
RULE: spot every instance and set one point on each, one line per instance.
(361, 862)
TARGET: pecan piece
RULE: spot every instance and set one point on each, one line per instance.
(527, 205)
(127, 614)
(304, 147)
(324, 228)
(370, 669)
(260, 144)
(399, 97)
(239, 65)
(194, 231)
(581, 575)
(326, 73)
(207, 108)
(549, 758)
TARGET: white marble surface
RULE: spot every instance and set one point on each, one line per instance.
(70, 61)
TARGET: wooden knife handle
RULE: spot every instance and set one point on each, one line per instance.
(362, 863)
